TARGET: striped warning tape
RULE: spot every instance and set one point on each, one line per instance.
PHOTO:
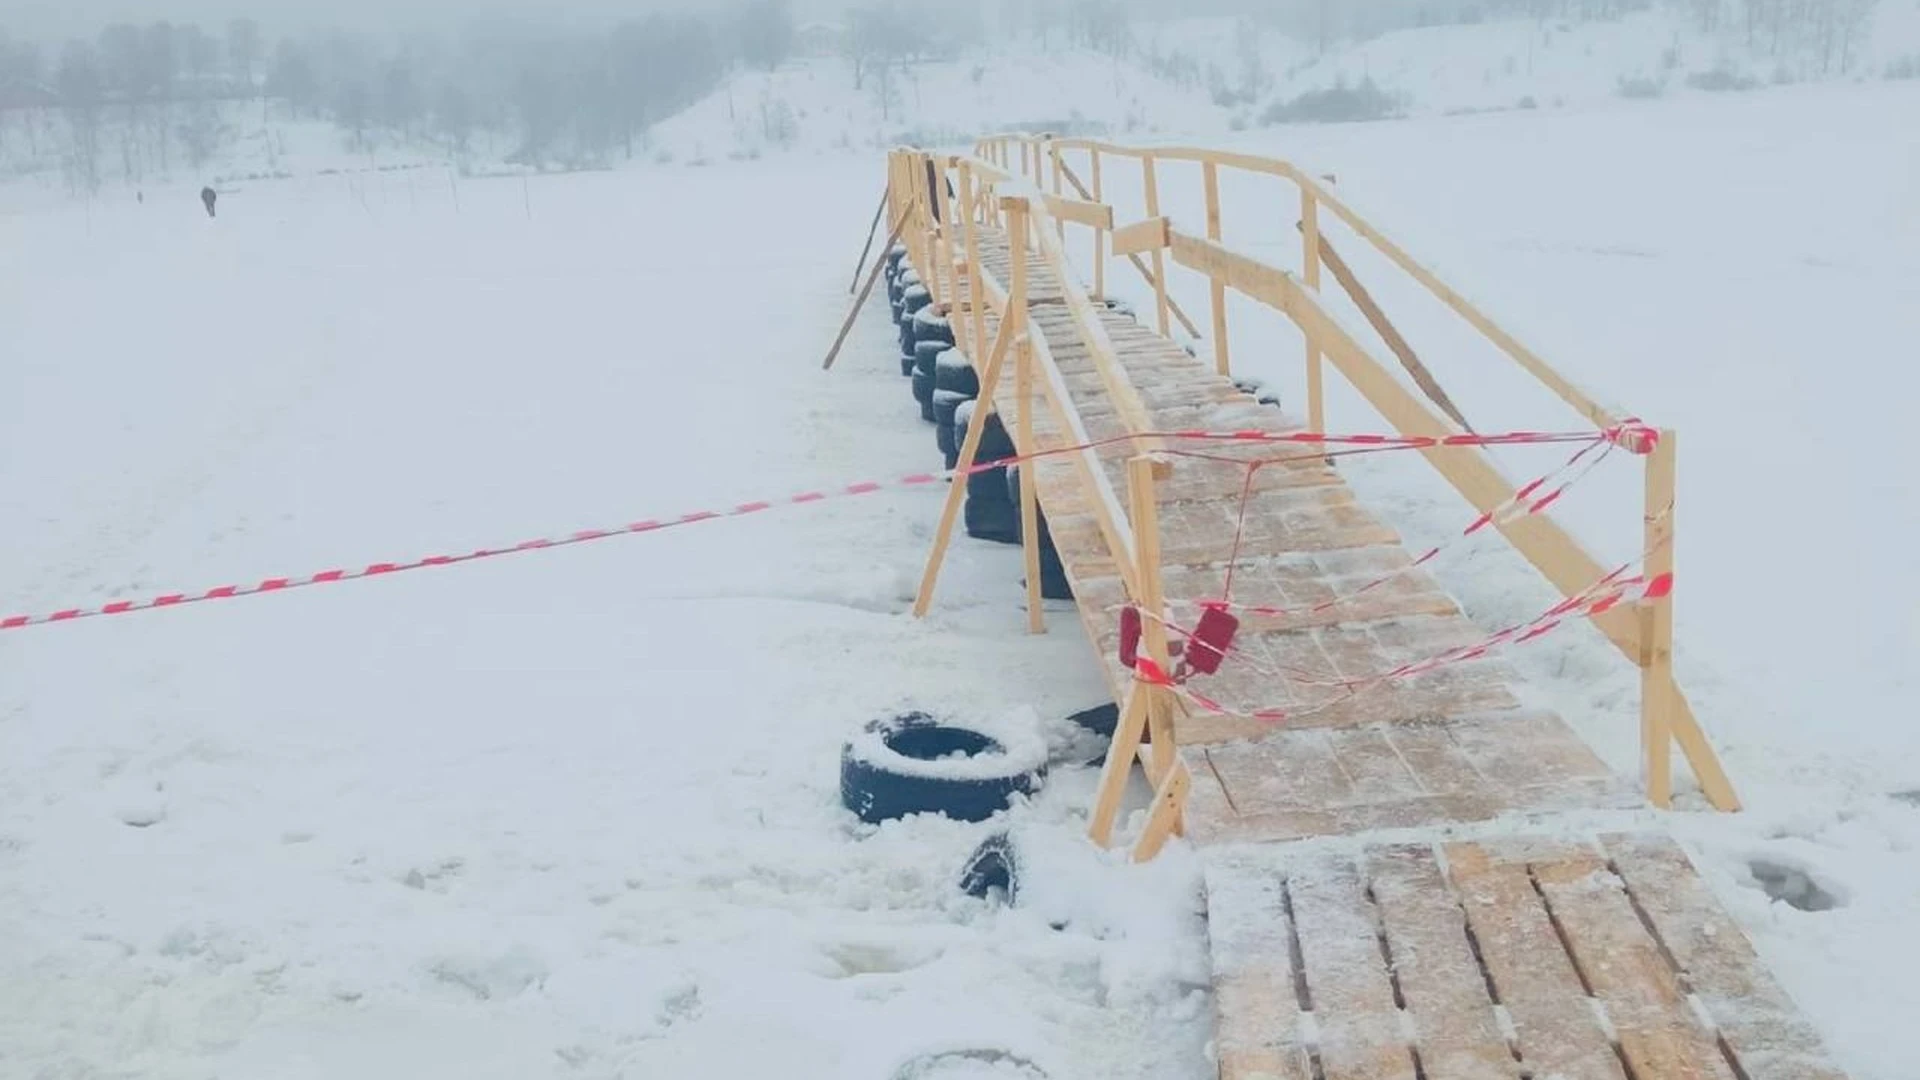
(1526, 501)
(585, 536)
(1611, 591)
(329, 577)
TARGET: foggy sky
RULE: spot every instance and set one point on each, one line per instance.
(55, 19)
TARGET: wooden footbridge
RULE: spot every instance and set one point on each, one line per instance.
(1530, 953)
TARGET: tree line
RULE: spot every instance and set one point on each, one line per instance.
(134, 99)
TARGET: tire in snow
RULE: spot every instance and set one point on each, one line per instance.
(915, 764)
(945, 403)
(994, 865)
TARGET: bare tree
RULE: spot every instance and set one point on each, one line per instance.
(82, 93)
(877, 38)
(243, 50)
(766, 33)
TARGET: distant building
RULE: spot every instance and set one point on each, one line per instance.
(819, 40)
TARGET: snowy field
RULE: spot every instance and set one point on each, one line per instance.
(574, 813)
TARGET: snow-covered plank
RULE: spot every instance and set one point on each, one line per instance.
(1456, 1030)
(1439, 763)
(1371, 764)
(1361, 1035)
(1760, 1025)
(1257, 1025)
(1624, 967)
(1558, 1032)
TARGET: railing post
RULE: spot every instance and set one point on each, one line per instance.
(1016, 317)
(1221, 361)
(1655, 618)
(1169, 780)
(940, 272)
(976, 292)
(1310, 232)
(1099, 238)
(1149, 166)
(1059, 179)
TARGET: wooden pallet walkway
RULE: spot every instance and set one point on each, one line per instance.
(1454, 745)
(1600, 959)
(1528, 959)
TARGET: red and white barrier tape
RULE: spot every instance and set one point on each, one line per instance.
(1608, 593)
(1522, 503)
(586, 536)
(1615, 436)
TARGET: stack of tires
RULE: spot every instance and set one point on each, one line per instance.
(946, 388)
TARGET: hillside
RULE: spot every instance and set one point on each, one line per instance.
(1186, 76)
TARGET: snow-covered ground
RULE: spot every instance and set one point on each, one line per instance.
(574, 814)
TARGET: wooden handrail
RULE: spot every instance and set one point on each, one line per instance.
(1563, 387)
(1643, 632)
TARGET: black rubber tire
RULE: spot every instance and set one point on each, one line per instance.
(1053, 573)
(926, 356)
(944, 404)
(994, 521)
(928, 326)
(923, 393)
(994, 865)
(902, 765)
(1053, 580)
(906, 364)
(952, 371)
(1004, 1062)
(915, 298)
(995, 443)
(1100, 720)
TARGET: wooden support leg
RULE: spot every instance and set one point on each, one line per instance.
(956, 494)
(847, 327)
(1169, 800)
(1113, 775)
(1029, 486)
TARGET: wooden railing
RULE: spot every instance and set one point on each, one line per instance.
(1029, 198)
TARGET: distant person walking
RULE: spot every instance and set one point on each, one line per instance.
(207, 196)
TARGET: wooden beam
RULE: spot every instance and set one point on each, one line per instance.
(969, 451)
(1163, 312)
(873, 276)
(1080, 212)
(1139, 263)
(1310, 254)
(1311, 186)
(1099, 238)
(1154, 234)
(1222, 362)
(1363, 299)
(1093, 334)
(1127, 734)
(1143, 513)
(1656, 630)
(1541, 540)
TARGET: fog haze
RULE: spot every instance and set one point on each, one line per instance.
(67, 18)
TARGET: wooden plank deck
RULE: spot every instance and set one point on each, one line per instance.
(1532, 958)
(1452, 745)
(1523, 959)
